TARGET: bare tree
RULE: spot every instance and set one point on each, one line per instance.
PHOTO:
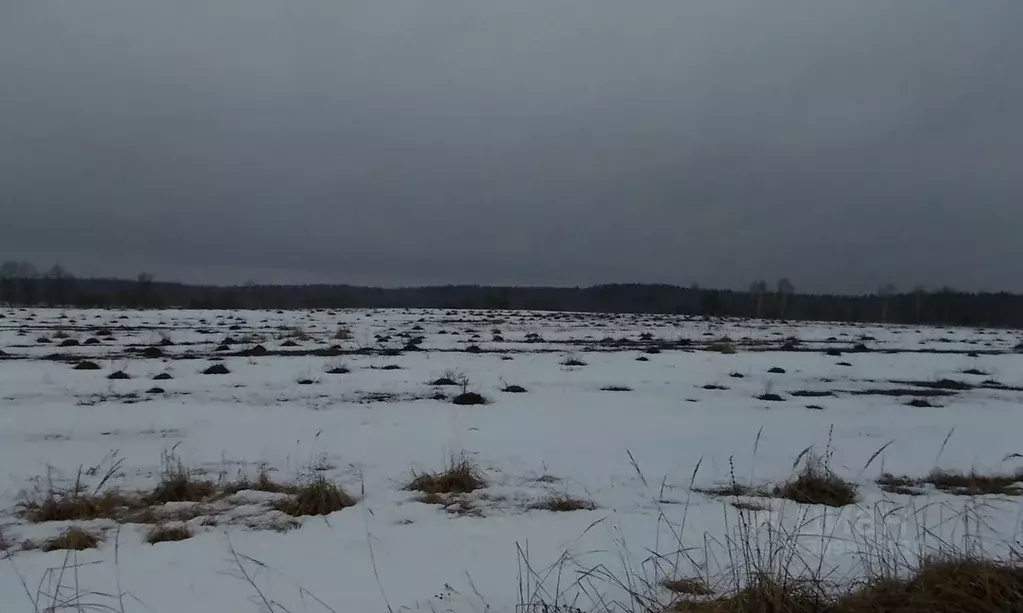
(7, 270)
(58, 278)
(58, 272)
(758, 289)
(886, 292)
(145, 289)
(24, 274)
(26, 270)
(785, 288)
(919, 292)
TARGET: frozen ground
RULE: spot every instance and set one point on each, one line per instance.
(371, 428)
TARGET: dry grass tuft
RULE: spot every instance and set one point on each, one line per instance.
(722, 347)
(942, 384)
(318, 497)
(899, 485)
(73, 539)
(817, 484)
(732, 489)
(263, 483)
(950, 585)
(765, 594)
(957, 483)
(74, 504)
(297, 333)
(178, 485)
(162, 533)
(461, 476)
(562, 503)
(974, 484)
(689, 587)
(745, 505)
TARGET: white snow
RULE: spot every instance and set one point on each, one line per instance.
(371, 428)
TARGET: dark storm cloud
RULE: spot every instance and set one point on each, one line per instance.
(843, 144)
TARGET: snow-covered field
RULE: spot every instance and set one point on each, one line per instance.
(687, 403)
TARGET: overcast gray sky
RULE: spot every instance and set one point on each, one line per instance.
(566, 142)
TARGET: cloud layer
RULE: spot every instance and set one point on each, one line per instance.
(843, 145)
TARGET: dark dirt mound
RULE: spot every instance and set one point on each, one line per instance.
(469, 398)
(216, 369)
(255, 351)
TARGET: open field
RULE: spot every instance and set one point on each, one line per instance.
(585, 442)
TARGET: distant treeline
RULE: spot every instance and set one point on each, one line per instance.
(22, 287)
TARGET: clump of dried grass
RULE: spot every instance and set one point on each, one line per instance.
(177, 484)
(460, 476)
(163, 533)
(562, 503)
(317, 497)
(73, 539)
